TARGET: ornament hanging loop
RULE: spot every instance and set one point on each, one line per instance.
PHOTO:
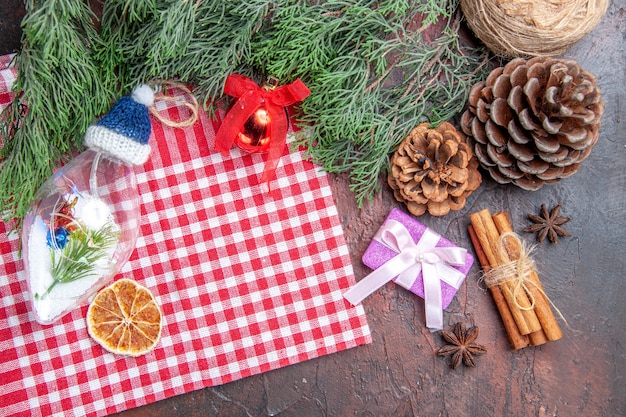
(188, 100)
(271, 83)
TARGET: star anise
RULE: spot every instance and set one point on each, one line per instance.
(548, 224)
(460, 345)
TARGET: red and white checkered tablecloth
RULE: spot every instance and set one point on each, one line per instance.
(247, 282)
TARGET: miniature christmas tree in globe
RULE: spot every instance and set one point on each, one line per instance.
(84, 221)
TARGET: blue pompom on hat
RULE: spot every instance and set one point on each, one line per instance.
(124, 131)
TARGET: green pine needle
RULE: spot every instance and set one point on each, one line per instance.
(78, 258)
(372, 79)
(59, 91)
(375, 69)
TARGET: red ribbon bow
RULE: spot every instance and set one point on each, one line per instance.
(251, 97)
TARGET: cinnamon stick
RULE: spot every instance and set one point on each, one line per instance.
(516, 339)
(549, 324)
(487, 233)
(538, 338)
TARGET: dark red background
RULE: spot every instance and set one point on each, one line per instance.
(399, 374)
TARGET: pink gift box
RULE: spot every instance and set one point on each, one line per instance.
(378, 253)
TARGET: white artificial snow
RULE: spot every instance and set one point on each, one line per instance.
(93, 214)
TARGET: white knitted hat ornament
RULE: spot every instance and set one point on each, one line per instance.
(124, 131)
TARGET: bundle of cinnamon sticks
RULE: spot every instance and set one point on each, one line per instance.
(525, 309)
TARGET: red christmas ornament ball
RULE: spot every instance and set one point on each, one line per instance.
(255, 134)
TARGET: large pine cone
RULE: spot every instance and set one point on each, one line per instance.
(434, 170)
(534, 122)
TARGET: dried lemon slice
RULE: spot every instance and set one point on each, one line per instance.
(124, 318)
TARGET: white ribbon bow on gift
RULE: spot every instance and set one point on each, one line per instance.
(435, 263)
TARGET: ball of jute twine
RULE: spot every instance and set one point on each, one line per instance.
(522, 28)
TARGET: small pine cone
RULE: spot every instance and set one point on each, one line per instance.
(533, 122)
(434, 170)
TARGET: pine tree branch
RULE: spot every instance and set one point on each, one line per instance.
(61, 89)
(79, 258)
(375, 68)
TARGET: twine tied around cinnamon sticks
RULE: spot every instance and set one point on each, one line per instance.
(519, 296)
(516, 271)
